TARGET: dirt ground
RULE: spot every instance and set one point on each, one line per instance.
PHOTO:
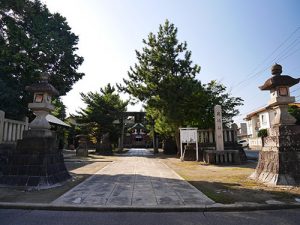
(79, 168)
(230, 184)
(223, 184)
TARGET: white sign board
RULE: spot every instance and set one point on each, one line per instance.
(188, 136)
(218, 128)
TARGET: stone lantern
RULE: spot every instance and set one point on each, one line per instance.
(41, 105)
(279, 87)
(279, 159)
(37, 163)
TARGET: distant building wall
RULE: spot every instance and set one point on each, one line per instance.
(243, 129)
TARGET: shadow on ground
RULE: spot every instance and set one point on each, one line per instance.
(228, 193)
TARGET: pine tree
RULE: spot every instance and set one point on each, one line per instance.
(164, 80)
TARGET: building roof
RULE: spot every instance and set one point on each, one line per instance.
(54, 120)
(265, 108)
(248, 117)
(138, 126)
(296, 104)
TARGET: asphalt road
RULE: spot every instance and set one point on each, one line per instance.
(36, 217)
(252, 154)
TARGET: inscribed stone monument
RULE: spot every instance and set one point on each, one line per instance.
(218, 128)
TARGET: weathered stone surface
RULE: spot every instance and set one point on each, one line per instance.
(35, 163)
(222, 157)
(279, 160)
(82, 149)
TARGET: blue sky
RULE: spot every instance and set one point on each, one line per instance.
(234, 41)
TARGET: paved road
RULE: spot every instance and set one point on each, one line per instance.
(138, 179)
(26, 217)
(252, 154)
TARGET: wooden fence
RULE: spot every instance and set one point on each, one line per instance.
(11, 130)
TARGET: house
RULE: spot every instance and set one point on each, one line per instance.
(262, 118)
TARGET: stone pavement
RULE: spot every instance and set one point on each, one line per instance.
(137, 179)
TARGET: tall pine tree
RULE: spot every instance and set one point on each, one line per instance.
(164, 80)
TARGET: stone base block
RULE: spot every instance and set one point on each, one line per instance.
(222, 157)
(279, 159)
(82, 152)
(36, 163)
(278, 168)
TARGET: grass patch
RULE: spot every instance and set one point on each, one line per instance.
(230, 184)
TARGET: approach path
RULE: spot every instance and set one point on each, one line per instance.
(137, 179)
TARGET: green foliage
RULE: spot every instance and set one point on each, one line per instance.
(100, 113)
(32, 40)
(164, 79)
(295, 112)
(218, 95)
(162, 60)
(60, 109)
(262, 133)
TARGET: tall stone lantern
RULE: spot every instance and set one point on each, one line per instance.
(279, 159)
(37, 163)
(41, 105)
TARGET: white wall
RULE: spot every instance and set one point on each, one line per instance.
(272, 117)
(249, 128)
(264, 120)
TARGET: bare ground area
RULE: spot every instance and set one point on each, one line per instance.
(223, 184)
(80, 168)
(230, 184)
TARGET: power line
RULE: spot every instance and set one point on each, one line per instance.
(269, 56)
(283, 53)
(290, 54)
(295, 90)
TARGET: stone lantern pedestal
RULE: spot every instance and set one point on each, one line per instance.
(37, 163)
(279, 159)
(82, 149)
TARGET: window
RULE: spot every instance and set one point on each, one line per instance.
(38, 98)
(283, 91)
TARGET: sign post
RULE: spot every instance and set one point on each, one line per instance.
(189, 136)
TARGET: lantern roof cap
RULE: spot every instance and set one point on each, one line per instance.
(42, 86)
(278, 79)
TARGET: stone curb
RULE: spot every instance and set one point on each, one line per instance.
(196, 208)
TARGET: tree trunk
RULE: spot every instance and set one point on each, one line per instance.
(177, 139)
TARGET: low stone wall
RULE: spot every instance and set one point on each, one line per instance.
(222, 157)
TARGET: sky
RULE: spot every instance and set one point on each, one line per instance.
(235, 42)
